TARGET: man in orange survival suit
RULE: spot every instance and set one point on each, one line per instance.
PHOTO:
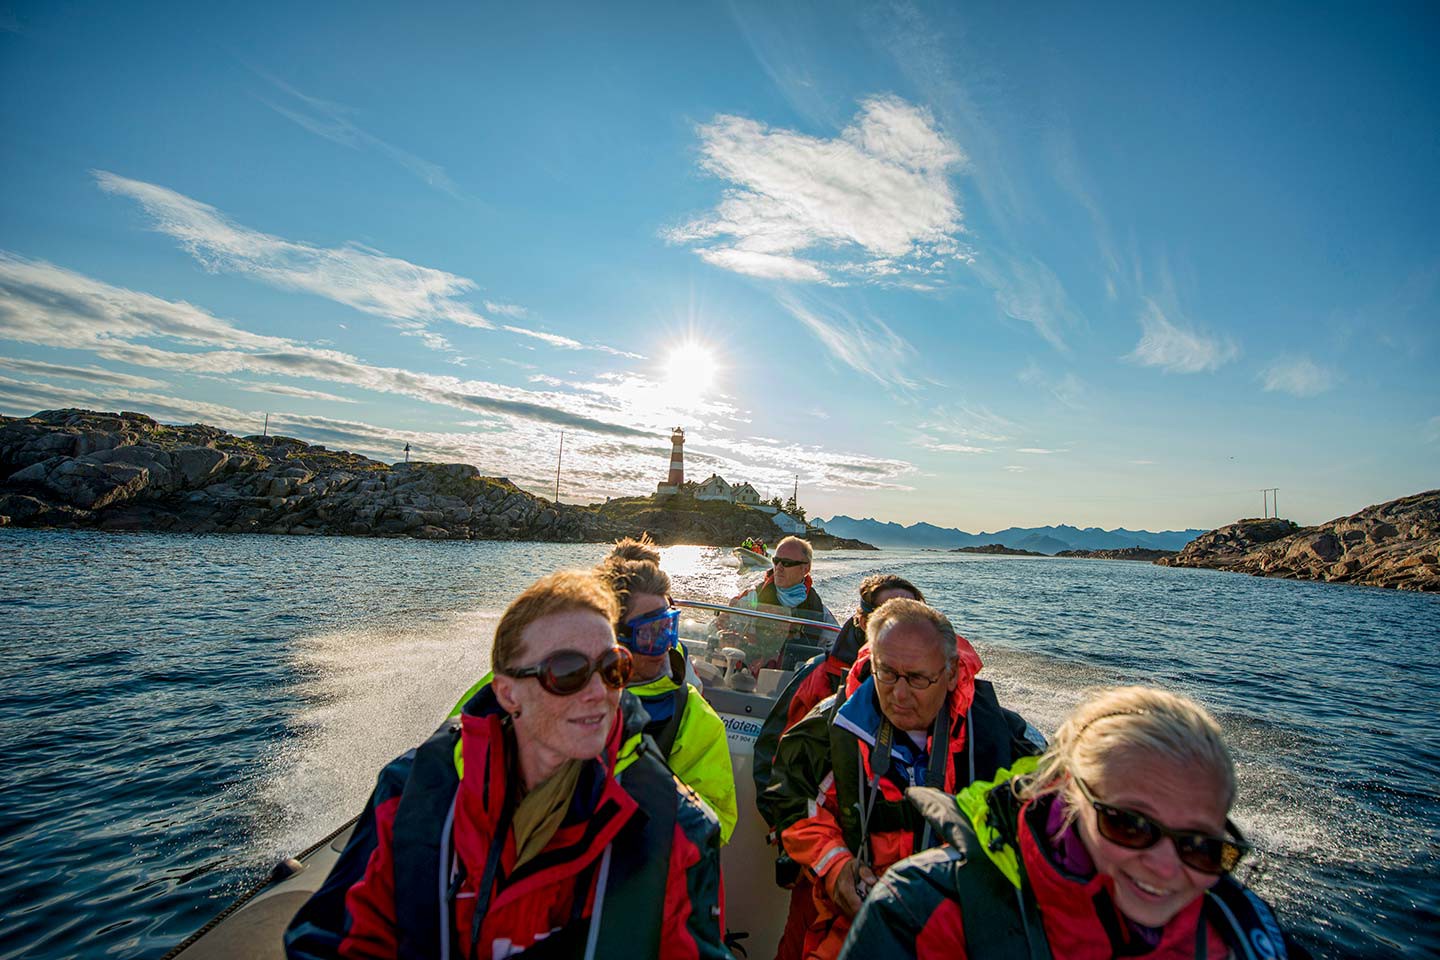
(912, 713)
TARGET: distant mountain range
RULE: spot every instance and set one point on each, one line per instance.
(1047, 540)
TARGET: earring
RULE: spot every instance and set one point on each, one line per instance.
(515, 714)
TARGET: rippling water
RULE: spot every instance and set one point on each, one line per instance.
(176, 712)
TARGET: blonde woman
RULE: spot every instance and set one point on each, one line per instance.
(1116, 842)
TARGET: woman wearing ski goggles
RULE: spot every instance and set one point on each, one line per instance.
(652, 634)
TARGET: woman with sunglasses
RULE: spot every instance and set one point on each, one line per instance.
(508, 832)
(686, 728)
(1115, 843)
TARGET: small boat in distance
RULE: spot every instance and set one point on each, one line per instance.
(752, 556)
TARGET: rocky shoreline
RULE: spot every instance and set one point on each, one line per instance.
(125, 471)
(1394, 545)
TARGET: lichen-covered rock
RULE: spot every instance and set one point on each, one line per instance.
(1392, 544)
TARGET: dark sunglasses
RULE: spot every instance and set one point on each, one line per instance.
(787, 562)
(1135, 831)
(652, 634)
(566, 672)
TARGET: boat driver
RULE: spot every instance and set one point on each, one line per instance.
(786, 589)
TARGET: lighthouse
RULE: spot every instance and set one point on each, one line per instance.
(676, 478)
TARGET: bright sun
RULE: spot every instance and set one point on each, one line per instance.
(690, 368)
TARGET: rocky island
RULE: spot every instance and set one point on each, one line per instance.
(999, 550)
(1143, 554)
(125, 471)
(1392, 544)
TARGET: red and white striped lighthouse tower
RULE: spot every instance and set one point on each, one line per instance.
(677, 457)
(676, 477)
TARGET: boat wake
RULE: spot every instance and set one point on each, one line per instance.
(369, 693)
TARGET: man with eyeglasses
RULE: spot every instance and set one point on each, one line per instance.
(786, 589)
(816, 679)
(911, 713)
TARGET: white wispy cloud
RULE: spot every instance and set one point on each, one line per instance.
(48, 305)
(285, 390)
(799, 204)
(336, 123)
(507, 309)
(569, 343)
(414, 298)
(968, 423)
(1143, 463)
(1068, 389)
(1015, 468)
(774, 466)
(24, 397)
(1036, 450)
(930, 443)
(88, 374)
(867, 345)
(1071, 176)
(411, 295)
(1027, 290)
(1298, 376)
(767, 266)
(1177, 347)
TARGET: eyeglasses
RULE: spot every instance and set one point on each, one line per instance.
(652, 634)
(1135, 831)
(787, 562)
(917, 681)
(567, 672)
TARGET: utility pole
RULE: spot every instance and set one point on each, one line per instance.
(266, 431)
(558, 458)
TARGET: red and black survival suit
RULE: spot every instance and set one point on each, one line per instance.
(837, 785)
(632, 871)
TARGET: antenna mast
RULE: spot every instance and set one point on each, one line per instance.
(558, 458)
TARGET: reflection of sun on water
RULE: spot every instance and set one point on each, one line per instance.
(690, 368)
(701, 573)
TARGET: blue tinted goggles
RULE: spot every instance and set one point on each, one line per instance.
(653, 634)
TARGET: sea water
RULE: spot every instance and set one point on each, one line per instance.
(177, 712)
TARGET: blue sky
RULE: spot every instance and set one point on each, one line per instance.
(975, 265)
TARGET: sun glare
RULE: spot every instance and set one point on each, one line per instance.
(691, 368)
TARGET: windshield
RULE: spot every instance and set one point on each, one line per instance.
(750, 649)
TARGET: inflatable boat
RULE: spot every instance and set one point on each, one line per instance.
(751, 559)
